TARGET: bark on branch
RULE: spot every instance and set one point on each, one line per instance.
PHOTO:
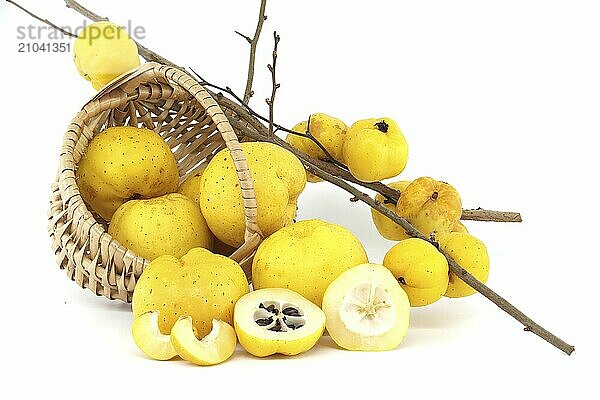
(272, 68)
(42, 20)
(253, 43)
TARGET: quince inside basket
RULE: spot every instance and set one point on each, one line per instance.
(171, 103)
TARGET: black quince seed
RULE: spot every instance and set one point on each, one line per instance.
(292, 312)
(264, 321)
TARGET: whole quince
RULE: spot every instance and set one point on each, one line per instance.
(430, 205)
(421, 270)
(278, 177)
(191, 186)
(328, 130)
(471, 254)
(375, 149)
(301, 127)
(103, 51)
(125, 163)
(306, 257)
(386, 227)
(201, 285)
(171, 224)
(460, 227)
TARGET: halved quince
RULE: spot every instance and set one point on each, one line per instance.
(366, 309)
(212, 349)
(149, 338)
(269, 321)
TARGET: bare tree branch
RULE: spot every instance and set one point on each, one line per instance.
(272, 68)
(248, 39)
(253, 43)
(84, 11)
(480, 214)
(43, 20)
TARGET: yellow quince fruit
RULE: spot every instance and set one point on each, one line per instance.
(386, 227)
(328, 130)
(471, 254)
(460, 227)
(202, 285)
(430, 205)
(366, 309)
(150, 339)
(278, 177)
(212, 349)
(306, 257)
(375, 149)
(270, 321)
(168, 225)
(191, 186)
(104, 51)
(125, 163)
(421, 270)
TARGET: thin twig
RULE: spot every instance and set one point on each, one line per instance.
(84, 11)
(272, 68)
(219, 97)
(42, 20)
(248, 39)
(253, 42)
(480, 214)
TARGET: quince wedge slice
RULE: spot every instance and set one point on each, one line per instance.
(212, 349)
(150, 339)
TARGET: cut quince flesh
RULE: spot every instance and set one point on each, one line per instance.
(366, 309)
(149, 338)
(270, 321)
(212, 349)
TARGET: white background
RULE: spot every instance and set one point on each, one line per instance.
(499, 98)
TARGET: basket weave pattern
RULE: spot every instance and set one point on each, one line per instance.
(185, 115)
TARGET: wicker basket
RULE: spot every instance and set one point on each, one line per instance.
(175, 106)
